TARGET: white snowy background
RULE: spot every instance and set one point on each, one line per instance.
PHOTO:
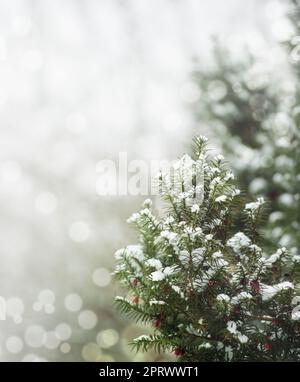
(80, 81)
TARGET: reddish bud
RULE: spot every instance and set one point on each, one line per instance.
(178, 352)
(267, 346)
(156, 323)
(237, 310)
(135, 299)
(211, 282)
(255, 286)
(134, 282)
(275, 322)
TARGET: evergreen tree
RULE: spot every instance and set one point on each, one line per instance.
(258, 125)
(211, 292)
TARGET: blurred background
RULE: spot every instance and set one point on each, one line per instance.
(81, 81)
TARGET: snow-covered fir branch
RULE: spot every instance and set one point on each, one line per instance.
(210, 290)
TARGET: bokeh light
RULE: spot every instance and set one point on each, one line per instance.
(35, 336)
(107, 338)
(63, 331)
(73, 302)
(87, 319)
(101, 277)
(14, 344)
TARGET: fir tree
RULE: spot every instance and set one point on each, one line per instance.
(258, 127)
(210, 291)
